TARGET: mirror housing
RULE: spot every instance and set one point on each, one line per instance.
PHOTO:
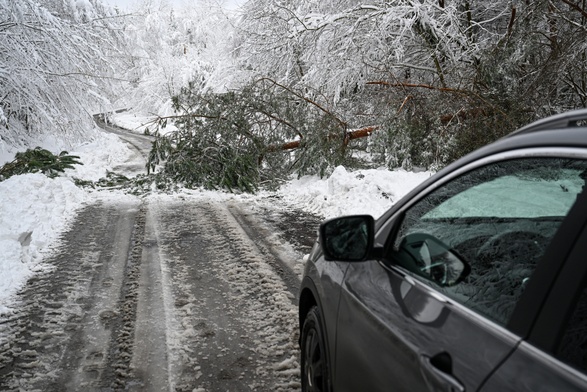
(348, 238)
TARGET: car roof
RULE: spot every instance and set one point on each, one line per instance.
(570, 119)
(562, 130)
(566, 130)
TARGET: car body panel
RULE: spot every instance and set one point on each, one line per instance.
(529, 369)
(324, 280)
(405, 322)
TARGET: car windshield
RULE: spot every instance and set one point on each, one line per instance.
(501, 198)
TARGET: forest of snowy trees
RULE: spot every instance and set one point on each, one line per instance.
(293, 86)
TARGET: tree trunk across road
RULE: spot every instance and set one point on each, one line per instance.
(163, 293)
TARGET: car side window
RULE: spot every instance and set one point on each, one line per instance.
(478, 237)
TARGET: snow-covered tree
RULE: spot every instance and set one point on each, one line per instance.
(172, 48)
(341, 46)
(440, 77)
(58, 60)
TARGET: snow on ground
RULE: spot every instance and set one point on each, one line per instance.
(99, 156)
(351, 192)
(35, 209)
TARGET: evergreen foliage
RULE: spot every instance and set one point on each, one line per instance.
(238, 140)
(39, 160)
(141, 184)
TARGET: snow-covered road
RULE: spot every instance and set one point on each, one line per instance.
(139, 147)
(160, 294)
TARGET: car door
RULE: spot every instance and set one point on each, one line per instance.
(554, 356)
(403, 325)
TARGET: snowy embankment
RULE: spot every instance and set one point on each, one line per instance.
(345, 192)
(35, 209)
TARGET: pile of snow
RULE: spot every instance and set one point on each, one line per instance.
(370, 191)
(36, 210)
(98, 157)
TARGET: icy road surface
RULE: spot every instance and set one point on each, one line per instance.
(162, 294)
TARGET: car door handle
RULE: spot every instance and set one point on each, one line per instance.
(437, 372)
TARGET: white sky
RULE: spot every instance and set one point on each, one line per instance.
(230, 4)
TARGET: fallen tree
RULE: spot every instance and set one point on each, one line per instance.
(231, 140)
(38, 160)
(348, 136)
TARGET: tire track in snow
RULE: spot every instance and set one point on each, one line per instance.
(63, 323)
(118, 371)
(235, 318)
(163, 294)
(259, 236)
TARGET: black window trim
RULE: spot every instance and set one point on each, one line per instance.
(532, 300)
(570, 281)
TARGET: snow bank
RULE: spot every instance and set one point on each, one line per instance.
(370, 191)
(36, 210)
(98, 157)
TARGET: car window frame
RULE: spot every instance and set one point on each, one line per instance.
(571, 280)
(547, 269)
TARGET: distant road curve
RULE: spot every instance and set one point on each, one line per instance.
(140, 145)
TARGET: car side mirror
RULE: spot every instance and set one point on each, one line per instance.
(427, 256)
(349, 238)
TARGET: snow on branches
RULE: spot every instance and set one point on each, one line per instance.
(58, 60)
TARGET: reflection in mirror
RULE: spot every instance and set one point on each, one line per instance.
(428, 257)
(349, 238)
